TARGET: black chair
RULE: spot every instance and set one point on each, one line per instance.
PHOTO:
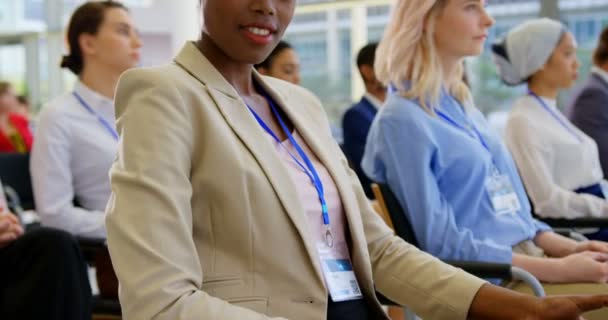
(403, 228)
(16, 179)
(15, 172)
(563, 223)
(565, 226)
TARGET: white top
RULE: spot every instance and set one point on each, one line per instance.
(554, 161)
(308, 192)
(600, 72)
(373, 100)
(71, 157)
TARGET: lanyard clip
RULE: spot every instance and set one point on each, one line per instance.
(329, 238)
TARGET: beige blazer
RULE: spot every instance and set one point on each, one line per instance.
(204, 221)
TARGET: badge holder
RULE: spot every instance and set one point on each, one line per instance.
(338, 272)
(502, 194)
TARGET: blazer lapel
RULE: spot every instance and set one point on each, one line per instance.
(303, 121)
(246, 128)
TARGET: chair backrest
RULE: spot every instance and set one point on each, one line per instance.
(389, 203)
(15, 172)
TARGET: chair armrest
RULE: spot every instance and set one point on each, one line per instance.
(484, 270)
(501, 271)
(576, 223)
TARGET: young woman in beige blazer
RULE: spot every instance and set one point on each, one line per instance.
(205, 221)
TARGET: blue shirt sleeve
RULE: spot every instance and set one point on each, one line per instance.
(400, 152)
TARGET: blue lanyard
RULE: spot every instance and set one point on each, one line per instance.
(468, 130)
(99, 118)
(472, 127)
(555, 116)
(309, 169)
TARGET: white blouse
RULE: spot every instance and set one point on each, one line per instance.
(71, 157)
(554, 158)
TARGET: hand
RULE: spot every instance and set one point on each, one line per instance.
(595, 246)
(496, 303)
(10, 229)
(567, 307)
(584, 267)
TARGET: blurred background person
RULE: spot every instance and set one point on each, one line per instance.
(77, 135)
(558, 163)
(23, 106)
(15, 135)
(589, 107)
(358, 118)
(282, 63)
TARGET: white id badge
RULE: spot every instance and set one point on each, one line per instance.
(339, 275)
(503, 196)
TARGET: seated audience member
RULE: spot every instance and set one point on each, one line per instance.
(15, 135)
(357, 120)
(450, 171)
(231, 200)
(589, 108)
(77, 139)
(42, 274)
(282, 63)
(558, 163)
(23, 106)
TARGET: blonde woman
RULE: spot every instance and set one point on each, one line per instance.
(559, 164)
(435, 150)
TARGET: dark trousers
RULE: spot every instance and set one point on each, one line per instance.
(43, 276)
(349, 310)
(595, 190)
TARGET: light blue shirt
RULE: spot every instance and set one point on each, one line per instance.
(441, 170)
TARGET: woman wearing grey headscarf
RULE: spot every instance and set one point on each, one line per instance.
(558, 163)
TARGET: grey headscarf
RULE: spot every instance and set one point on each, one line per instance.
(526, 48)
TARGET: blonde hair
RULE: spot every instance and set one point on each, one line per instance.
(407, 53)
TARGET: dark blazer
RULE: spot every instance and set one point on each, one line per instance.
(589, 112)
(356, 123)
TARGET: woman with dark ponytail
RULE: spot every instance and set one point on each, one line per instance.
(78, 139)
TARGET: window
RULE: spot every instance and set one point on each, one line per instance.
(585, 18)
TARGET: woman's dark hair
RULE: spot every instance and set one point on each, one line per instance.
(600, 55)
(85, 20)
(367, 55)
(267, 64)
(23, 99)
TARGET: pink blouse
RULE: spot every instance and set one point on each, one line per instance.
(309, 197)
